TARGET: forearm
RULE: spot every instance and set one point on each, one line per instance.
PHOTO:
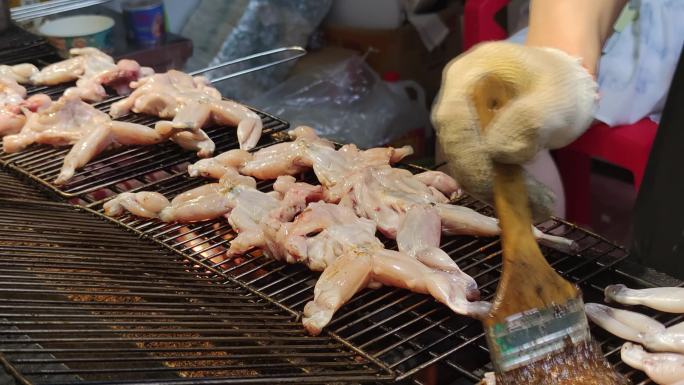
(578, 27)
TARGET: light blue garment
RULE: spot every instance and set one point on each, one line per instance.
(638, 63)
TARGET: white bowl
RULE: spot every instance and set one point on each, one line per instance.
(79, 31)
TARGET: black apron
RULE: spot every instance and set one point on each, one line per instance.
(659, 212)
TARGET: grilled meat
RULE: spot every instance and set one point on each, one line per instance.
(668, 299)
(288, 224)
(91, 68)
(662, 368)
(70, 121)
(364, 180)
(332, 238)
(288, 158)
(20, 73)
(638, 328)
(192, 104)
(625, 324)
(12, 103)
(143, 204)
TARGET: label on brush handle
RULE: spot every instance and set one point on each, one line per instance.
(528, 336)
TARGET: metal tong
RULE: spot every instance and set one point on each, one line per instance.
(292, 52)
(33, 11)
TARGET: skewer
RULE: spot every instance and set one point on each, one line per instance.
(28, 12)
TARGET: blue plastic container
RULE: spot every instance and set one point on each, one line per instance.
(144, 21)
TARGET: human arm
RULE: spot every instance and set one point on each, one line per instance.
(578, 27)
(553, 94)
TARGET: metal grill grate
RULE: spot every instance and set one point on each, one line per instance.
(407, 332)
(121, 169)
(12, 187)
(19, 46)
(82, 301)
(116, 170)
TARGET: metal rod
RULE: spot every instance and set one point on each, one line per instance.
(232, 357)
(29, 12)
(39, 5)
(296, 52)
(13, 371)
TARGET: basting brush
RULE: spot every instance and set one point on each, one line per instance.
(537, 330)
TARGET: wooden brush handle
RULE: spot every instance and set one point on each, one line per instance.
(527, 281)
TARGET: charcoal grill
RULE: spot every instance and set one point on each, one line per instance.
(82, 301)
(91, 299)
(407, 332)
(59, 325)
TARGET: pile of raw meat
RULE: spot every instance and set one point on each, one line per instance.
(190, 102)
(332, 227)
(654, 348)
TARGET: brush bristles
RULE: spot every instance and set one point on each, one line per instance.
(533, 334)
(579, 364)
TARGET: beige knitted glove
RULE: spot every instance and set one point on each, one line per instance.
(553, 103)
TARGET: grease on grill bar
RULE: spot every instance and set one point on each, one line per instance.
(407, 332)
(82, 301)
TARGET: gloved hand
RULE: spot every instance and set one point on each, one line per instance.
(553, 102)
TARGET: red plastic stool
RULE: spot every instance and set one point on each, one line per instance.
(626, 146)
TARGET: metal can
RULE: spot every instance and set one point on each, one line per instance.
(144, 21)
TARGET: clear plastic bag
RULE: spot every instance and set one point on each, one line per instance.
(347, 102)
(264, 25)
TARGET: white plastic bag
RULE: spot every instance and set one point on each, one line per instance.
(346, 102)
